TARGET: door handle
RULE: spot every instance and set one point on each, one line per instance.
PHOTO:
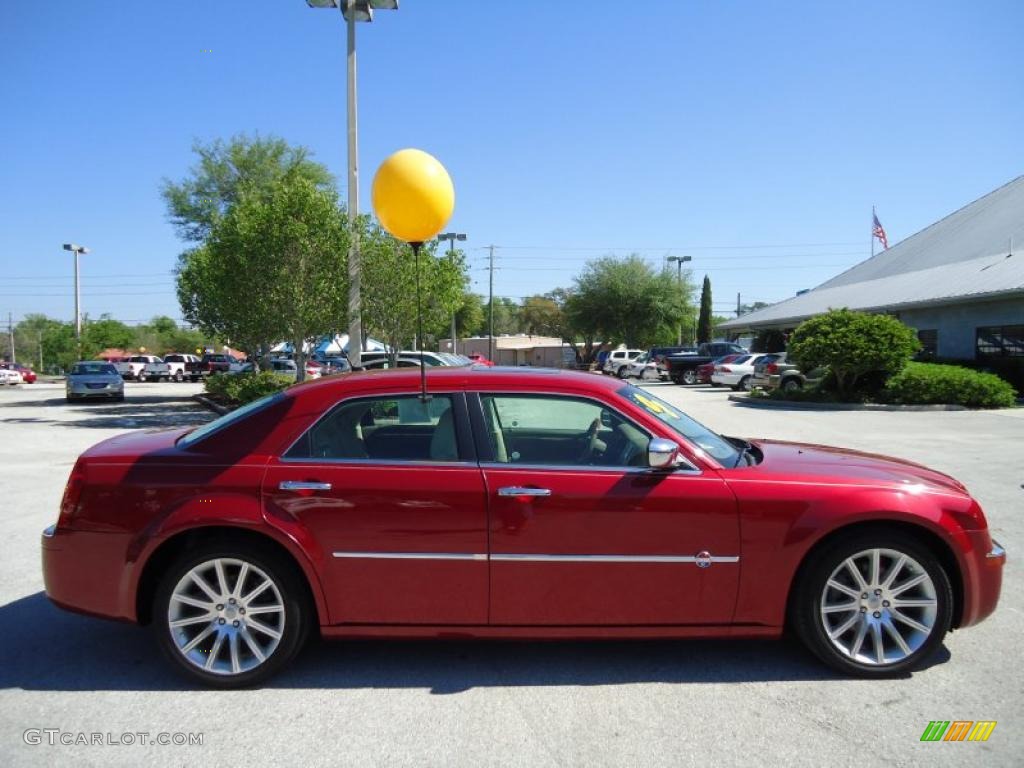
(300, 485)
(513, 490)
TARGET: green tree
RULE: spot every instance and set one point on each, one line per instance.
(272, 267)
(542, 316)
(105, 333)
(626, 300)
(389, 288)
(704, 320)
(470, 317)
(226, 168)
(853, 344)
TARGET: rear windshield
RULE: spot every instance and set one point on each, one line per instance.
(228, 419)
(93, 369)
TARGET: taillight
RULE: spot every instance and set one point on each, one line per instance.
(771, 368)
(72, 495)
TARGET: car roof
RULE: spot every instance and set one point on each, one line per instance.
(468, 377)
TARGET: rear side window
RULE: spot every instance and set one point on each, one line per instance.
(402, 428)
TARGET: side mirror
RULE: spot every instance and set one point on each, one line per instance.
(662, 453)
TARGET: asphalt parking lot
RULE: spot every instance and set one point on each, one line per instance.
(523, 704)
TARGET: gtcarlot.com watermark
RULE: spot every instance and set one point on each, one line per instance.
(55, 736)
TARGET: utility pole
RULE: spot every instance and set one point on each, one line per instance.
(10, 330)
(737, 305)
(490, 321)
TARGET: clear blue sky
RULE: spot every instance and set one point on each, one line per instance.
(571, 129)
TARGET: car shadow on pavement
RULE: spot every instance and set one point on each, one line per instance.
(47, 649)
(146, 412)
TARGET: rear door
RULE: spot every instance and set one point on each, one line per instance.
(391, 491)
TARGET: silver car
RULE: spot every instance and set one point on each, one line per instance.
(95, 378)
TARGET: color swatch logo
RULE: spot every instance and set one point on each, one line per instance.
(958, 730)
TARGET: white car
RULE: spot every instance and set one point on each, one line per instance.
(643, 368)
(618, 361)
(10, 377)
(737, 373)
(177, 365)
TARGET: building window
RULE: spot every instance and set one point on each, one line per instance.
(929, 342)
(1000, 341)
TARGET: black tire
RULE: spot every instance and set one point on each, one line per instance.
(194, 379)
(621, 373)
(141, 377)
(809, 594)
(792, 385)
(179, 376)
(743, 385)
(689, 377)
(297, 618)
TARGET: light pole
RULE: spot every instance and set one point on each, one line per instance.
(77, 249)
(353, 11)
(679, 278)
(452, 237)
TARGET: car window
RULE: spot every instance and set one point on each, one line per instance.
(711, 443)
(388, 428)
(228, 419)
(93, 369)
(551, 430)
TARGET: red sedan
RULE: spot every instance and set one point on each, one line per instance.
(704, 371)
(512, 504)
(27, 374)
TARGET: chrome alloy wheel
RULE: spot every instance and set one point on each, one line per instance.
(226, 616)
(878, 607)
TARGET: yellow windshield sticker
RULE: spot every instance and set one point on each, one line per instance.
(655, 407)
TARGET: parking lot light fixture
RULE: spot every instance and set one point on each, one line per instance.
(77, 250)
(452, 237)
(353, 11)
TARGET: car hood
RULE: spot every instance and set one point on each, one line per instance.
(839, 465)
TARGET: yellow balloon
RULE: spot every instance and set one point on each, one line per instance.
(413, 195)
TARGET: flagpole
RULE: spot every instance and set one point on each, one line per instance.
(872, 231)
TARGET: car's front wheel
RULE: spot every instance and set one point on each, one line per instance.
(873, 605)
(231, 615)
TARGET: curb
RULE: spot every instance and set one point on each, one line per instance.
(206, 402)
(757, 402)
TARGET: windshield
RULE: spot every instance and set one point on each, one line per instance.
(93, 369)
(711, 443)
(228, 419)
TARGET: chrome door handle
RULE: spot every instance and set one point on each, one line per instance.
(513, 490)
(300, 485)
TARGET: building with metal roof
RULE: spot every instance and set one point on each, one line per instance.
(958, 282)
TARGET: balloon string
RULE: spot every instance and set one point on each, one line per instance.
(419, 326)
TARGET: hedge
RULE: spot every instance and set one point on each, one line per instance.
(242, 388)
(927, 383)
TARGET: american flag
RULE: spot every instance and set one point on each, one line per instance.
(879, 231)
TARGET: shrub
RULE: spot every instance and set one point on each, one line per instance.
(927, 383)
(853, 344)
(242, 388)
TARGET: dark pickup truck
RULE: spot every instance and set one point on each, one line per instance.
(207, 365)
(682, 369)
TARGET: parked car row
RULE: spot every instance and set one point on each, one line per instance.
(16, 373)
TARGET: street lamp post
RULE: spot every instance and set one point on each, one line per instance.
(679, 278)
(77, 250)
(353, 11)
(452, 237)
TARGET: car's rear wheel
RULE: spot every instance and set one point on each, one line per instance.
(873, 605)
(179, 376)
(231, 615)
(689, 377)
(791, 385)
(743, 385)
